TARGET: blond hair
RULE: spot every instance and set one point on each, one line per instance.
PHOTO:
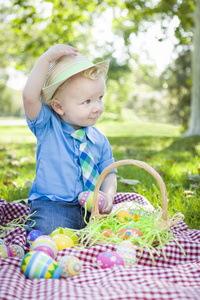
(92, 73)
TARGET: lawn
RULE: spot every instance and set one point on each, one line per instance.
(175, 158)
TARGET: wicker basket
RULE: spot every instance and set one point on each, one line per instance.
(95, 213)
(160, 223)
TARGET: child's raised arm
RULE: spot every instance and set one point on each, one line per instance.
(36, 79)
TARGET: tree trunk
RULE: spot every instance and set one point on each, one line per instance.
(194, 125)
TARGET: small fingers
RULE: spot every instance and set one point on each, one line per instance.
(66, 49)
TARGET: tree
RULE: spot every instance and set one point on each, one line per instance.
(194, 125)
(177, 80)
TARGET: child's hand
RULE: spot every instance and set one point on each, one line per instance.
(109, 206)
(57, 51)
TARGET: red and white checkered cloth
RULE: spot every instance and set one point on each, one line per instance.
(176, 278)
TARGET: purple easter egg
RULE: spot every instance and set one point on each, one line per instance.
(32, 236)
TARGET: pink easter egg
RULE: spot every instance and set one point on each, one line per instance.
(5, 251)
(46, 245)
(109, 259)
(86, 199)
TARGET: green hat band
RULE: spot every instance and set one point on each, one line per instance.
(73, 70)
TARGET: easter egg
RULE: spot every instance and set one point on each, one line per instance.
(126, 216)
(32, 236)
(107, 232)
(17, 250)
(70, 266)
(139, 212)
(1, 242)
(5, 251)
(128, 252)
(45, 244)
(37, 264)
(66, 231)
(46, 238)
(63, 241)
(109, 259)
(128, 232)
(86, 198)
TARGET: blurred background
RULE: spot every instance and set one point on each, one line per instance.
(150, 45)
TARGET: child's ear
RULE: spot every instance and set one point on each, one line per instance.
(57, 106)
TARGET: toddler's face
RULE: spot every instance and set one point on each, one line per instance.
(82, 101)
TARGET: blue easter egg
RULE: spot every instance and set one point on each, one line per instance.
(37, 264)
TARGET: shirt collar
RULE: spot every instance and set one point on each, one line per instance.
(88, 130)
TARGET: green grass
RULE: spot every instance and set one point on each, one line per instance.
(176, 159)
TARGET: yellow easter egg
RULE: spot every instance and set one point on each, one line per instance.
(126, 216)
(66, 231)
(63, 241)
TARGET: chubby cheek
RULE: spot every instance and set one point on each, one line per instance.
(102, 108)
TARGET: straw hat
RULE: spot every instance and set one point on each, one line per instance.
(64, 68)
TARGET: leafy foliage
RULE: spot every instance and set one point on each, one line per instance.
(37, 25)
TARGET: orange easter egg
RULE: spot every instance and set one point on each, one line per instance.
(128, 232)
(107, 232)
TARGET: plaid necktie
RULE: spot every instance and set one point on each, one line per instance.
(89, 169)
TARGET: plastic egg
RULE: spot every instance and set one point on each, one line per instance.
(66, 231)
(128, 252)
(86, 199)
(37, 264)
(107, 232)
(17, 250)
(45, 244)
(63, 241)
(1, 242)
(109, 259)
(5, 251)
(32, 236)
(70, 266)
(126, 216)
(128, 232)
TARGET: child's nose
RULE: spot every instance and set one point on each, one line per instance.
(97, 107)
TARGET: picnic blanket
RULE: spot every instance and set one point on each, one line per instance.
(178, 277)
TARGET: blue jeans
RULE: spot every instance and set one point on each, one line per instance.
(50, 215)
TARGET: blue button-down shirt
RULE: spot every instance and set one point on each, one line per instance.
(58, 172)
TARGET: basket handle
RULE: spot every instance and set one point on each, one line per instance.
(143, 165)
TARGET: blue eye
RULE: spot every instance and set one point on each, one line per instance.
(86, 102)
(101, 97)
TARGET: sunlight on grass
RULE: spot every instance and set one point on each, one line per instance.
(110, 129)
(15, 134)
(133, 128)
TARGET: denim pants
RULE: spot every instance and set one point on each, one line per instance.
(49, 215)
